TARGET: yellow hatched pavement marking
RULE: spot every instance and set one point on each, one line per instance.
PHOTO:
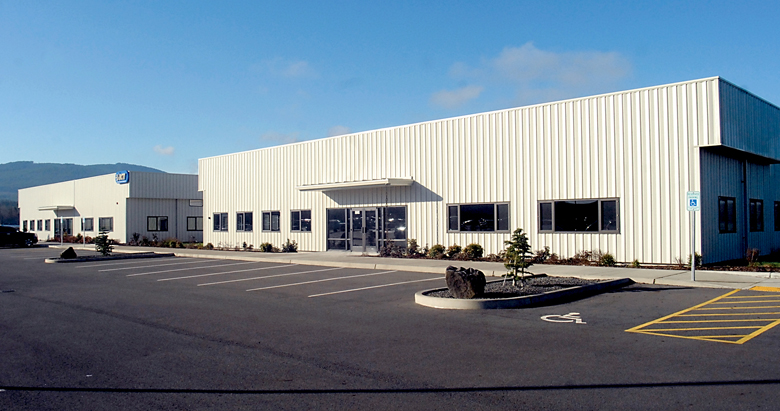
(725, 338)
(768, 289)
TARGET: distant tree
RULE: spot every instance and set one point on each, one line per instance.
(9, 212)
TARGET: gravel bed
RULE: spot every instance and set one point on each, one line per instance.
(534, 285)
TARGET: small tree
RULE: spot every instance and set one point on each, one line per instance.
(102, 243)
(517, 257)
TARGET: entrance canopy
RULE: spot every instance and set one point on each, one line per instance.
(56, 208)
(348, 185)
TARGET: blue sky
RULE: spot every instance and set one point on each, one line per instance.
(163, 83)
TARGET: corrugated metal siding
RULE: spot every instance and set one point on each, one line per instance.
(163, 185)
(727, 182)
(636, 146)
(177, 211)
(748, 122)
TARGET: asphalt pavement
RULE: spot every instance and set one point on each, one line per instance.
(223, 333)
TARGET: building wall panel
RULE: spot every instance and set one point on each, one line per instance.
(638, 146)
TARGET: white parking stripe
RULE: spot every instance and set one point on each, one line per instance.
(320, 281)
(148, 266)
(191, 268)
(373, 286)
(226, 272)
(114, 263)
(271, 276)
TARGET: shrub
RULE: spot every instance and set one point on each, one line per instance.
(134, 241)
(102, 243)
(209, 246)
(437, 251)
(266, 248)
(751, 256)
(607, 260)
(453, 251)
(389, 249)
(541, 255)
(412, 248)
(698, 260)
(289, 247)
(582, 258)
(635, 264)
(473, 251)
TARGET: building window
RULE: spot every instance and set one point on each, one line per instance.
(106, 224)
(40, 224)
(157, 223)
(244, 221)
(88, 224)
(777, 216)
(756, 215)
(48, 225)
(196, 203)
(220, 222)
(271, 220)
(727, 214)
(478, 217)
(24, 225)
(194, 223)
(575, 216)
(300, 220)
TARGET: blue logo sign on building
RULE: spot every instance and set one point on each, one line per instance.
(122, 177)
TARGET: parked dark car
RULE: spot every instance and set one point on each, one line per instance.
(12, 236)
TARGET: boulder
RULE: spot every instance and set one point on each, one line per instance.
(69, 253)
(465, 282)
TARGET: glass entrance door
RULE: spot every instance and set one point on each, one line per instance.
(363, 232)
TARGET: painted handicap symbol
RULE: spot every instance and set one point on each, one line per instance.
(566, 318)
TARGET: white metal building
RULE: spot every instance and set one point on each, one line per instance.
(151, 204)
(607, 172)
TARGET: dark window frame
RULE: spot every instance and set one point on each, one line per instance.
(756, 215)
(269, 227)
(196, 220)
(297, 219)
(543, 222)
(103, 227)
(777, 215)
(158, 223)
(88, 227)
(727, 215)
(455, 212)
(244, 224)
(220, 222)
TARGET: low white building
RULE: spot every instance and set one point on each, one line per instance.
(153, 205)
(608, 172)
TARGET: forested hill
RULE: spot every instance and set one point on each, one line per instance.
(23, 174)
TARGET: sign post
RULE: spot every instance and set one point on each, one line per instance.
(693, 204)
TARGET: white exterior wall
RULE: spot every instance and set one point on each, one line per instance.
(147, 194)
(92, 197)
(639, 146)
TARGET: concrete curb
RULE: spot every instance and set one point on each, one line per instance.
(108, 257)
(517, 302)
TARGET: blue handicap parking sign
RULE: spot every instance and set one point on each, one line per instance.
(693, 202)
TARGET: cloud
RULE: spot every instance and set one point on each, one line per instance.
(274, 137)
(456, 98)
(537, 75)
(291, 69)
(338, 131)
(165, 151)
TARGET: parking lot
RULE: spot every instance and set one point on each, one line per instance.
(196, 333)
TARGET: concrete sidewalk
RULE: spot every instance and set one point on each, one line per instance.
(704, 278)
